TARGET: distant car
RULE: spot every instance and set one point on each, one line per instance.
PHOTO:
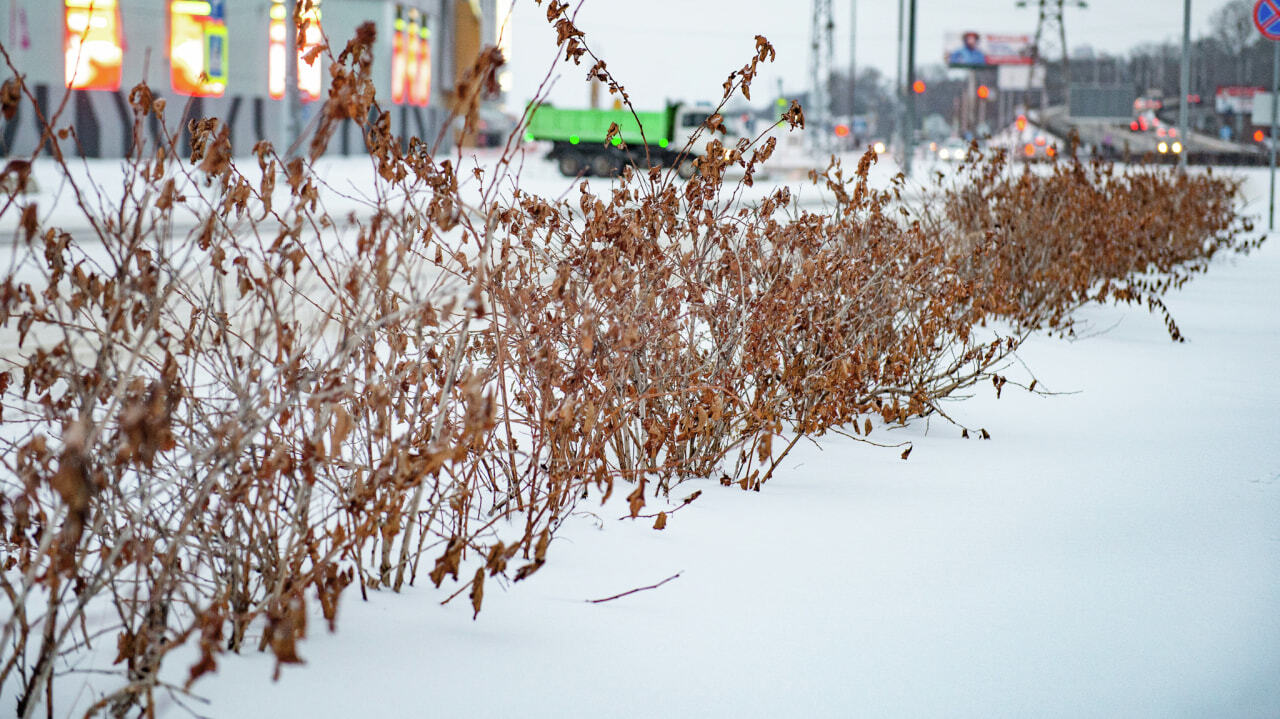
(1038, 148)
(953, 150)
(492, 128)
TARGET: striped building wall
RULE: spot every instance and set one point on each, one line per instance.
(35, 34)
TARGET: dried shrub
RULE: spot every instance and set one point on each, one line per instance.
(1088, 232)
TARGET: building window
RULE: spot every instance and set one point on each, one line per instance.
(310, 55)
(93, 46)
(198, 47)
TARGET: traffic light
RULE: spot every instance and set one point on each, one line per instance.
(1258, 136)
(842, 130)
(918, 87)
(984, 92)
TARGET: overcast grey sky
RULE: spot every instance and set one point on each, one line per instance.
(683, 49)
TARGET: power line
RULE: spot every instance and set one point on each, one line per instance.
(1051, 31)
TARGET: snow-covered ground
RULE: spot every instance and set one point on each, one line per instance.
(1113, 551)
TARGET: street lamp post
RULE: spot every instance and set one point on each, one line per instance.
(292, 104)
(1185, 84)
(910, 129)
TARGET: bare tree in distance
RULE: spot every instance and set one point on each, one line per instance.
(1232, 26)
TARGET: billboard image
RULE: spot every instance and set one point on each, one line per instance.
(975, 49)
(1236, 99)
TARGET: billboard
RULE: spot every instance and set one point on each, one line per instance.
(1260, 109)
(975, 49)
(1236, 99)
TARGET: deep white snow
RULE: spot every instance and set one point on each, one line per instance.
(1113, 551)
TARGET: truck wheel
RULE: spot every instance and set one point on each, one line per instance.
(603, 166)
(687, 168)
(571, 165)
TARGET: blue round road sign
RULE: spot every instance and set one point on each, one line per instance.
(1266, 16)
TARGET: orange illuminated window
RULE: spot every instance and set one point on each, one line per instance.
(310, 74)
(410, 33)
(420, 92)
(399, 66)
(93, 45)
(198, 47)
(411, 58)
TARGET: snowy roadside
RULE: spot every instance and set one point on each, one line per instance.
(352, 179)
(1093, 536)
(1113, 551)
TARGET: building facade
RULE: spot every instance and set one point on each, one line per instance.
(227, 59)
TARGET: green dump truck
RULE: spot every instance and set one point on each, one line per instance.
(579, 137)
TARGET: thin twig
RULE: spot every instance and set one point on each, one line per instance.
(633, 591)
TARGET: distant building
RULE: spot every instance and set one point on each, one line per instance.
(226, 59)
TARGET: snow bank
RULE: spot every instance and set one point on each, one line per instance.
(1113, 551)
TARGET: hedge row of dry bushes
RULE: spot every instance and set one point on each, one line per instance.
(205, 434)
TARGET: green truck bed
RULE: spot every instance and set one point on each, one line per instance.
(592, 126)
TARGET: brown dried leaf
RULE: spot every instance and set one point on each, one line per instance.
(477, 592)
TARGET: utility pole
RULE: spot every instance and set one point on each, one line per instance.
(853, 58)
(1275, 106)
(292, 103)
(900, 115)
(909, 147)
(1185, 84)
(821, 60)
